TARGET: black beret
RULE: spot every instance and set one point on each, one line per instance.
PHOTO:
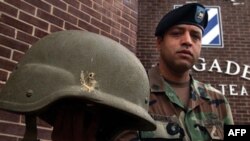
(192, 13)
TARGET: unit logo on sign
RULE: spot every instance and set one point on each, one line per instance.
(212, 36)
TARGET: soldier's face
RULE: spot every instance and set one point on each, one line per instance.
(180, 47)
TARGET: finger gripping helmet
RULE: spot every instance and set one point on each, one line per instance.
(81, 65)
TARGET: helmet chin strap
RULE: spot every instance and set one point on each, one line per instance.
(31, 128)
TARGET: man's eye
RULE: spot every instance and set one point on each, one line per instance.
(175, 33)
(196, 37)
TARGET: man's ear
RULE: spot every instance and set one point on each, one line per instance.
(158, 42)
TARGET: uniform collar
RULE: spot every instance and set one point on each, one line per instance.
(200, 89)
(156, 82)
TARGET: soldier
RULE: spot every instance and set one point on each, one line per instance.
(88, 87)
(184, 108)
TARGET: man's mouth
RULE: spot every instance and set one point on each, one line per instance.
(185, 52)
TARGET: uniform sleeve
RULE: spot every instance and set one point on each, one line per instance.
(228, 120)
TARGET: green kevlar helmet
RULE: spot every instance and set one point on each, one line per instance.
(81, 65)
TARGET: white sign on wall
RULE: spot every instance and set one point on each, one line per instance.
(212, 36)
(233, 69)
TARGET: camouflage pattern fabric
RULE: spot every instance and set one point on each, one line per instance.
(203, 119)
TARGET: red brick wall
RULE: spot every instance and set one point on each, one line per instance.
(24, 22)
(236, 31)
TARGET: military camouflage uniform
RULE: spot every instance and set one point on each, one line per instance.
(203, 119)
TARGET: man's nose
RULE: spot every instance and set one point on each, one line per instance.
(186, 39)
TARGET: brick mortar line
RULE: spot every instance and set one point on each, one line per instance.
(15, 39)
(10, 135)
(12, 122)
(35, 16)
(2, 82)
(8, 59)
(23, 124)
